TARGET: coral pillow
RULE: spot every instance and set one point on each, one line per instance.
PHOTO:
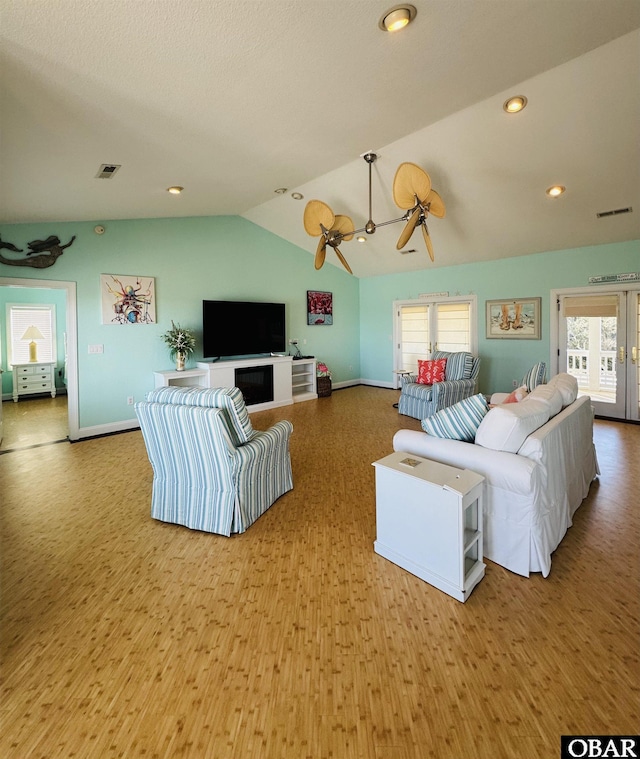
(430, 372)
(517, 395)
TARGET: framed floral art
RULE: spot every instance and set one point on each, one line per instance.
(319, 307)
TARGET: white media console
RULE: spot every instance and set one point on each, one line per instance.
(287, 381)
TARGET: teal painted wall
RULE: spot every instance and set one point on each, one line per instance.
(191, 259)
(229, 257)
(524, 276)
(33, 296)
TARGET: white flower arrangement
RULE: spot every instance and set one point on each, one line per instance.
(180, 341)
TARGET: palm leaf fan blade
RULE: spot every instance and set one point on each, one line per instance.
(321, 253)
(317, 215)
(436, 205)
(344, 226)
(409, 183)
(343, 260)
(427, 239)
(408, 229)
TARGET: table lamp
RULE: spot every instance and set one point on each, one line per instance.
(33, 334)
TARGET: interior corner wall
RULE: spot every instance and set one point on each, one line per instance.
(519, 277)
(191, 259)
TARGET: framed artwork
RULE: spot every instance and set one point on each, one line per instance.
(128, 300)
(319, 307)
(516, 319)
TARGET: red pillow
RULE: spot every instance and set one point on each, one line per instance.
(430, 372)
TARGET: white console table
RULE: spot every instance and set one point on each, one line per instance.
(429, 521)
(292, 380)
(185, 378)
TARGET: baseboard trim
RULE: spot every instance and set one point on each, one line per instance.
(100, 430)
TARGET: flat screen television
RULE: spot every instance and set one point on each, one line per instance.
(242, 328)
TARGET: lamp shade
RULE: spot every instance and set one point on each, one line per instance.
(33, 333)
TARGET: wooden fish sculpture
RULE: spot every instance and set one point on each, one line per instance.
(45, 252)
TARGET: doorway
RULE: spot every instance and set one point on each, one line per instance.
(439, 323)
(71, 368)
(597, 340)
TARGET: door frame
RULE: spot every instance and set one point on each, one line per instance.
(72, 341)
(432, 300)
(554, 332)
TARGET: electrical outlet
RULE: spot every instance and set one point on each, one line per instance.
(130, 401)
(515, 384)
(293, 341)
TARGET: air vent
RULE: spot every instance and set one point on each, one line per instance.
(107, 170)
(617, 212)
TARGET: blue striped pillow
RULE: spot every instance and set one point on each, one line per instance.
(459, 365)
(458, 422)
(535, 376)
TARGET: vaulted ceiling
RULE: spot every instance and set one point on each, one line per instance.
(232, 100)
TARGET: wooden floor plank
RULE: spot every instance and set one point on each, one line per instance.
(123, 636)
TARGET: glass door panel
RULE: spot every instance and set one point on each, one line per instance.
(593, 348)
(422, 327)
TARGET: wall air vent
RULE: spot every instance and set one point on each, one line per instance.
(616, 212)
(107, 170)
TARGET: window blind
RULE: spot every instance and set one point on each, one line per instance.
(19, 318)
(590, 305)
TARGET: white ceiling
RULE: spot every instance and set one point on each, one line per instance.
(234, 99)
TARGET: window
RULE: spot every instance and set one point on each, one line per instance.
(22, 316)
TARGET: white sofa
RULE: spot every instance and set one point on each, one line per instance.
(538, 460)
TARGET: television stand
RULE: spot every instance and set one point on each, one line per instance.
(291, 383)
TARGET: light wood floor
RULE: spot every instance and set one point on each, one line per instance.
(126, 637)
(34, 421)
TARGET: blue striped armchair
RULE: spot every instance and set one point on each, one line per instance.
(461, 376)
(211, 470)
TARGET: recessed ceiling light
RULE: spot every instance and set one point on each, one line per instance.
(280, 191)
(361, 238)
(515, 104)
(297, 195)
(397, 18)
(175, 190)
(555, 191)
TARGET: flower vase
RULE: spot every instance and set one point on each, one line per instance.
(180, 362)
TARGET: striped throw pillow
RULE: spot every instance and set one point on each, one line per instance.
(459, 365)
(535, 376)
(458, 422)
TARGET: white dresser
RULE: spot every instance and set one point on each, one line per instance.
(29, 379)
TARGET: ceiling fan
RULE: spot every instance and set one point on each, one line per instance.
(412, 191)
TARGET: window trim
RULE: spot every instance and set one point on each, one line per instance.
(52, 339)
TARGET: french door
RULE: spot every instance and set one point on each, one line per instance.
(422, 326)
(598, 343)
